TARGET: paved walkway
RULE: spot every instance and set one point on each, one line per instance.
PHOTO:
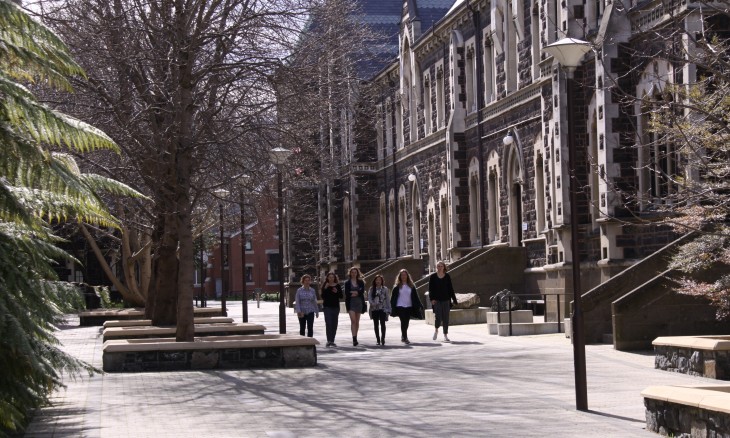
(477, 386)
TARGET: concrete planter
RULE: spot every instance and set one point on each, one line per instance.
(223, 352)
(460, 316)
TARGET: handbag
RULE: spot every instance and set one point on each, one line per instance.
(364, 306)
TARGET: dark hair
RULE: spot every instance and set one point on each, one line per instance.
(382, 281)
(326, 277)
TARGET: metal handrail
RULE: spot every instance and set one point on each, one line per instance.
(544, 300)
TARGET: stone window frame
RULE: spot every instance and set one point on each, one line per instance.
(444, 221)
(470, 75)
(488, 55)
(493, 198)
(440, 95)
(427, 105)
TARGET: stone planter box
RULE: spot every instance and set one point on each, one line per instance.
(460, 316)
(100, 316)
(697, 411)
(525, 328)
(707, 356)
(216, 352)
(495, 318)
(202, 330)
(141, 322)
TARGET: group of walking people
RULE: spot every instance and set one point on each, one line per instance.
(401, 301)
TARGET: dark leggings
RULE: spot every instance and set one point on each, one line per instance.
(379, 323)
(404, 313)
(307, 320)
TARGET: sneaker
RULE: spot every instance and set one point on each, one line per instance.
(406, 341)
(435, 334)
(333, 345)
(377, 343)
(329, 344)
(402, 339)
(446, 339)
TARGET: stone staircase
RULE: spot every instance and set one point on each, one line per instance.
(597, 311)
(485, 272)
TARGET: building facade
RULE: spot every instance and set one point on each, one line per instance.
(466, 146)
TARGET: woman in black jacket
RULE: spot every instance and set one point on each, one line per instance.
(331, 296)
(441, 293)
(405, 303)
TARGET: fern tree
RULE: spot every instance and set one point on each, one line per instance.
(39, 185)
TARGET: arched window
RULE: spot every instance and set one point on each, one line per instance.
(416, 220)
(427, 105)
(493, 198)
(444, 222)
(402, 221)
(470, 76)
(346, 230)
(383, 227)
(431, 227)
(440, 97)
(474, 204)
(391, 225)
(514, 185)
(540, 191)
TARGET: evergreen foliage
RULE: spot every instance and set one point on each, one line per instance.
(39, 185)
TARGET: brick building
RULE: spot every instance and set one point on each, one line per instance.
(467, 145)
(262, 261)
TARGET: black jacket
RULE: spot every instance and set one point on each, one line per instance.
(441, 289)
(416, 307)
(331, 298)
(360, 293)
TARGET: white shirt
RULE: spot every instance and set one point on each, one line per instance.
(404, 297)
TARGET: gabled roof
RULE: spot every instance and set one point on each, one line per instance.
(431, 11)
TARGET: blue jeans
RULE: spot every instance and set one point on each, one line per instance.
(331, 318)
(307, 319)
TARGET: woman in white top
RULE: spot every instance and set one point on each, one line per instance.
(405, 303)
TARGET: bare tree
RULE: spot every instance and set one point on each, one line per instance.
(184, 89)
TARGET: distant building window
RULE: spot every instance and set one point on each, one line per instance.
(249, 245)
(274, 264)
(249, 274)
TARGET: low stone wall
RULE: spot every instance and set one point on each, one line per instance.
(707, 356)
(460, 316)
(96, 317)
(688, 411)
(224, 352)
(203, 330)
(143, 322)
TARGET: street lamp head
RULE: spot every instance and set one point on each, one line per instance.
(279, 155)
(411, 177)
(508, 139)
(568, 52)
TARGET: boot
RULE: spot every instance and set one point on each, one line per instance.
(354, 341)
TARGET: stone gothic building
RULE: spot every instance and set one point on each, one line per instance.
(466, 147)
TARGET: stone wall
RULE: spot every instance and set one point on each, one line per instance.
(673, 419)
(705, 363)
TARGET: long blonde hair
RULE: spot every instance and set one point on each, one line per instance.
(409, 281)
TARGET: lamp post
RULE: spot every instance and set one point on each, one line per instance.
(222, 193)
(568, 52)
(244, 293)
(278, 157)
